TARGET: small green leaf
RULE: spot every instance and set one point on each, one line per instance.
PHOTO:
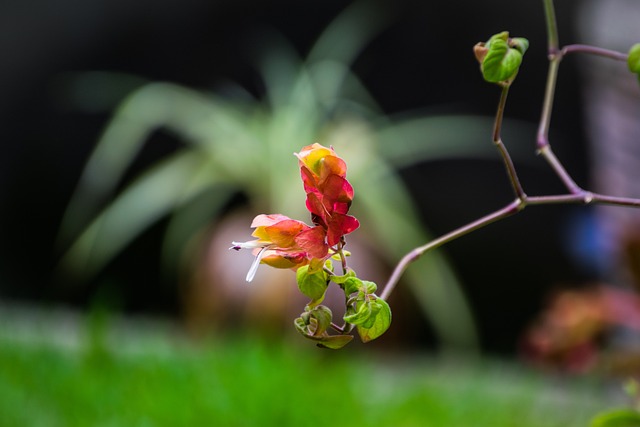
(312, 284)
(371, 320)
(380, 324)
(341, 279)
(500, 57)
(351, 285)
(369, 287)
(337, 256)
(617, 418)
(334, 342)
(633, 61)
(360, 315)
(322, 314)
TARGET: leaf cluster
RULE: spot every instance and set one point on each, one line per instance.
(367, 312)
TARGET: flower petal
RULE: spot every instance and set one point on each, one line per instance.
(283, 233)
(280, 259)
(339, 226)
(313, 242)
(264, 220)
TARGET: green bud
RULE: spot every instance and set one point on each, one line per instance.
(500, 57)
(633, 61)
(313, 325)
(314, 322)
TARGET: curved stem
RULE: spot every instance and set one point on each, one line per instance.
(542, 142)
(593, 50)
(584, 197)
(547, 104)
(576, 194)
(559, 169)
(416, 253)
(497, 141)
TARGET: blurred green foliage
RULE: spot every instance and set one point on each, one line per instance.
(149, 381)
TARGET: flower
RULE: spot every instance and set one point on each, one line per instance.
(283, 243)
(329, 194)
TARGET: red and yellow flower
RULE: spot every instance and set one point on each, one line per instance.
(283, 242)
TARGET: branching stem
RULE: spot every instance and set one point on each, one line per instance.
(575, 195)
(592, 50)
(497, 141)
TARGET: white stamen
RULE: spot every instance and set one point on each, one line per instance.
(254, 266)
(251, 244)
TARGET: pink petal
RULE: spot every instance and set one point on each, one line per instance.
(264, 220)
(313, 242)
(339, 226)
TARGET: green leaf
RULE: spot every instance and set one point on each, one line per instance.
(337, 256)
(312, 284)
(370, 322)
(500, 57)
(633, 61)
(341, 279)
(520, 44)
(351, 285)
(380, 324)
(322, 314)
(334, 342)
(155, 193)
(361, 314)
(617, 418)
(369, 287)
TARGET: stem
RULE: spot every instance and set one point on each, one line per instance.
(576, 194)
(342, 330)
(497, 140)
(343, 259)
(542, 143)
(416, 253)
(559, 169)
(552, 26)
(547, 104)
(554, 62)
(593, 50)
(584, 197)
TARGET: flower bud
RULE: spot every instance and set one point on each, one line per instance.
(633, 61)
(500, 57)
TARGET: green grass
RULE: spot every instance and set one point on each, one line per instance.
(157, 380)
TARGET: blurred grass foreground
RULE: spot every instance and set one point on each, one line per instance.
(60, 368)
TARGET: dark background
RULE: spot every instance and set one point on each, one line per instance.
(507, 268)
